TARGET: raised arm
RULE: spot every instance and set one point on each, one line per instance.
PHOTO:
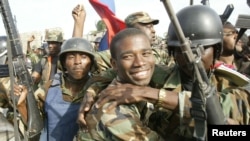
(79, 15)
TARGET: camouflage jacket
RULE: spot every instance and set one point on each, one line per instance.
(33, 58)
(166, 122)
(122, 123)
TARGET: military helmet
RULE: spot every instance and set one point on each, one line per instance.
(3, 49)
(76, 44)
(200, 24)
(55, 34)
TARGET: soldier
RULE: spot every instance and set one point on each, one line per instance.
(139, 20)
(63, 97)
(134, 62)
(46, 68)
(175, 122)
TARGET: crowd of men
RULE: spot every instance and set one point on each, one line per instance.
(143, 88)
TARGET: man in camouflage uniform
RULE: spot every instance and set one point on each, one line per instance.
(173, 120)
(139, 20)
(47, 67)
(131, 52)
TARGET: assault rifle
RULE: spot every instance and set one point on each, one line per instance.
(205, 103)
(227, 12)
(18, 69)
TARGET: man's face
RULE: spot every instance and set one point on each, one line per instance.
(207, 57)
(54, 48)
(77, 64)
(148, 29)
(134, 60)
(229, 39)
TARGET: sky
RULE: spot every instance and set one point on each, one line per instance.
(38, 15)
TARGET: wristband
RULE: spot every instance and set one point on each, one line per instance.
(161, 97)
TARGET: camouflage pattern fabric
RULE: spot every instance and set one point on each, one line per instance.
(33, 58)
(54, 34)
(234, 100)
(4, 90)
(103, 60)
(122, 123)
(139, 17)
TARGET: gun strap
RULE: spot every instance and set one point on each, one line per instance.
(200, 130)
(198, 112)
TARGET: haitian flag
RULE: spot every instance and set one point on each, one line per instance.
(106, 10)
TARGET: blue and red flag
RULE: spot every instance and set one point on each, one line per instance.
(106, 10)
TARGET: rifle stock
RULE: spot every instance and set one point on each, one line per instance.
(35, 120)
(205, 103)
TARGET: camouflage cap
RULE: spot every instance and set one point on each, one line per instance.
(55, 34)
(140, 17)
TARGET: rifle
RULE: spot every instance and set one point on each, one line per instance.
(205, 103)
(227, 12)
(17, 67)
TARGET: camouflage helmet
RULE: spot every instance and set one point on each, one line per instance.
(55, 34)
(3, 49)
(200, 24)
(76, 44)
